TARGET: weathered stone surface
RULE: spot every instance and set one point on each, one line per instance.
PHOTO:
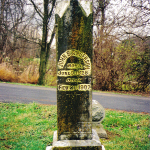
(98, 111)
(93, 144)
(98, 114)
(49, 148)
(74, 80)
(99, 129)
(86, 5)
(74, 72)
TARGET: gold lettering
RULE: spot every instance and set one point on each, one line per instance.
(85, 57)
(85, 72)
(68, 53)
(74, 66)
(86, 60)
(79, 87)
(73, 53)
(69, 65)
(67, 73)
(84, 87)
(72, 80)
(58, 73)
(68, 80)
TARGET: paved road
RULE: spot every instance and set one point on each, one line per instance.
(27, 94)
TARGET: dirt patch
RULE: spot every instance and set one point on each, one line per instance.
(111, 135)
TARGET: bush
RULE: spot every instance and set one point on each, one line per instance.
(7, 74)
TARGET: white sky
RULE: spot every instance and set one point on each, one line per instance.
(115, 8)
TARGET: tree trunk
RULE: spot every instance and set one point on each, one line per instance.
(42, 68)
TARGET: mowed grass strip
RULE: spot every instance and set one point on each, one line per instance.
(31, 126)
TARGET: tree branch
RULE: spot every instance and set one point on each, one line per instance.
(50, 14)
(142, 38)
(36, 9)
(140, 6)
(49, 45)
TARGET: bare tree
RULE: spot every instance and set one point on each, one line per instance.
(46, 16)
(11, 16)
(137, 22)
(115, 21)
(103, 48)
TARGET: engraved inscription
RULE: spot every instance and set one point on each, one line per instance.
(71, 80)
(74, 71)
(79, 87)
(63, 59)
(74, 66)
(67, 73)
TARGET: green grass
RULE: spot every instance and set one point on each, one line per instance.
(31, 126)
(26, 126)
(126, 130)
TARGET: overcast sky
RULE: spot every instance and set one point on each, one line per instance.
(115, 8)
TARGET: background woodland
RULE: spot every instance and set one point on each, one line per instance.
(121, 43)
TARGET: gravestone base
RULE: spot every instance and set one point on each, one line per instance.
(99, 129)
(93, 144)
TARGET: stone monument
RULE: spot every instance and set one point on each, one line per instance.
(74, 77)
(98, 114)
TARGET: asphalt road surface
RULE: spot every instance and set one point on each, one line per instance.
(42, 95)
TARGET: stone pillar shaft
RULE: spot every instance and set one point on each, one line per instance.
(74, 73)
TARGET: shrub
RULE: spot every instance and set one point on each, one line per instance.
(7, 74)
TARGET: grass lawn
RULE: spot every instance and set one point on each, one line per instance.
(31, 126)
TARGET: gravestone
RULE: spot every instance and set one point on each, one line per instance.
(98, 111)
(98, 114)
(74, 78)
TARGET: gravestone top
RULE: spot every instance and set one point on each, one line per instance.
(85, 4)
